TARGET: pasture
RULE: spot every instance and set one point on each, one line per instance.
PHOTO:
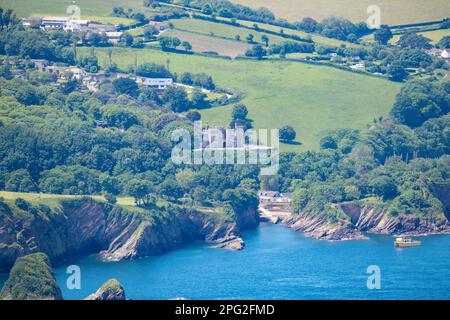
(311, 98)
(201, 43)
(392, 12)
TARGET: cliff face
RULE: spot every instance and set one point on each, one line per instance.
(320, 227)
(75, 227)
(110, 290)
(86, 226)
(31, 278)
(363, 216)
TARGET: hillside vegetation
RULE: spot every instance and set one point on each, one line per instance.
(313, 99)
(31, 278)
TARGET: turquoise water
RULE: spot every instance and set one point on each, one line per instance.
(278, 263)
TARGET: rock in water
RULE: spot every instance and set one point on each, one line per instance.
(110, 290)
(233, 243)
(31, 278)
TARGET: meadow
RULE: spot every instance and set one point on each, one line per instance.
(25, 8)
(222, 30)
(435, 36)
(392, 12)
(201, 43)
(311, 98)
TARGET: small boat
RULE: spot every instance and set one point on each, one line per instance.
(406, 242)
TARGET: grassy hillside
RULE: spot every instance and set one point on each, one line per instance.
(435, 35)
(58, 7)
(313, 99)
(202, 43)
(54, 200)
(392, 12)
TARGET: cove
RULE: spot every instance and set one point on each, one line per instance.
(277, 263)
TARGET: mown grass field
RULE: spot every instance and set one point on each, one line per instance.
(58, 7)
(201, 43)
(393, 12)
(54, 200)
(221, 30)
(435, 35)
(313, 99)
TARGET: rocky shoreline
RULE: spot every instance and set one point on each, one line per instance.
(365, 218)
(86, 226)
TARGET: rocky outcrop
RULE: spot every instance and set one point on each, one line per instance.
(31, 278)
(232, 243)
(111, 290)
(367, 217)
(320, 227)
(86, 226)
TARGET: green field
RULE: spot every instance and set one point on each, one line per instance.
(25, 8)
(393, 12)
(313, 99)
(435, 35)
(54, 200)
(221, 30)
(202, 43)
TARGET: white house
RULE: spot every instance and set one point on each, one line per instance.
(76, 25)
(31, 22)
(157, 83)
(113, 36)
(77, 73)
(54, 23)
(445, 54)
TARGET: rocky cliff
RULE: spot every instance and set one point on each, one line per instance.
(31, 278)
(118, 233)
(365, 216)
(110, 290)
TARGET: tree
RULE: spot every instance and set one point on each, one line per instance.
(198, 100)
(396, 72)
(444, 42)
(126, 40)
(383, 35)
(89, 63)
(193, 115)
(308, 24)
(206, 9)
(20, 181)
(287, 133)
(177, 99)
(110, 198)
(150, 32)
(265, 39)
(126, 86)
(384, 187)
(250, 38)
(414, 41)
(186, 45)
(239, 112)
(140, 190)
(257, 51)
(153, 70)
(169, 42)
(420, 100)
(119, 117)
(328, 142)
